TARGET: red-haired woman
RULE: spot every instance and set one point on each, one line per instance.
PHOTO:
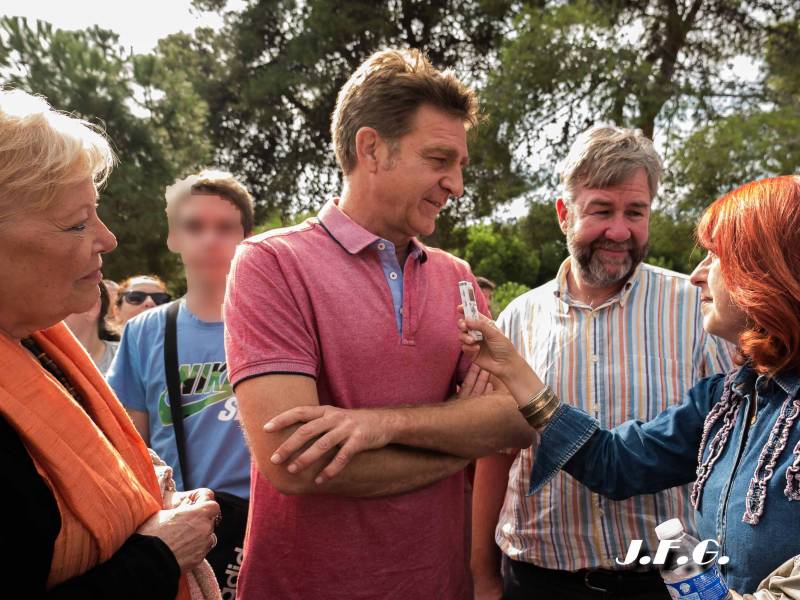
(736, 436)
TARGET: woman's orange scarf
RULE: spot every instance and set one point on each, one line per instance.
(97, 466)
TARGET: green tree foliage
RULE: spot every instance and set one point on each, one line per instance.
(256, 97)
(504, 294)
(546, 70)
(672, 242)
(649, 64)
(284, 62)
(540, 232)
(156, 137)
(752, 143)
(497, 251)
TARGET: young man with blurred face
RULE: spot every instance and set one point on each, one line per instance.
(208, 214)
(340, 340)
(600, 335)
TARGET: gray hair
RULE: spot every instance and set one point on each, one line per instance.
(607, 155)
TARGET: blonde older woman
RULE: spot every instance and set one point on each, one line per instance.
(82, 509)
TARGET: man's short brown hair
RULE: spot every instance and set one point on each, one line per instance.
(211, 182)
(385, 92)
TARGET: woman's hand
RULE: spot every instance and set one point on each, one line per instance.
(188, 530)
(495, 354)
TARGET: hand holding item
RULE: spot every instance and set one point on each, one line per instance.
(496, 354)
(188, 530)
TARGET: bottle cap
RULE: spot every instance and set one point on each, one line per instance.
(669, 530)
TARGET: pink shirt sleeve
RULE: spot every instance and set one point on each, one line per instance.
(267, 318)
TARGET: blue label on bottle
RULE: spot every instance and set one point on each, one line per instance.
(708, 585)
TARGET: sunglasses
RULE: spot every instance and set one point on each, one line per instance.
(136, 298)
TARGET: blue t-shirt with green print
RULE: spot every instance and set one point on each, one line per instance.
(215, 448)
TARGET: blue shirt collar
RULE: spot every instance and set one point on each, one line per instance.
(787, 379)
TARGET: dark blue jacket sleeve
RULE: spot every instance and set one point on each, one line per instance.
(631, 459)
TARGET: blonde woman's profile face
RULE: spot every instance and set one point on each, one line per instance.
(51, 260)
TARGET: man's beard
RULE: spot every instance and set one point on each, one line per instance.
(591, 267)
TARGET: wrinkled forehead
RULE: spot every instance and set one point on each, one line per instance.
(435, 129)
(608, 175)
(632, 191)
(69, 200)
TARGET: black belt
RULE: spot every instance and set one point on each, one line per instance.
(601, 580)
(606, 580)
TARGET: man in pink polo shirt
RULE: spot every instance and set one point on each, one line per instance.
(349, 315)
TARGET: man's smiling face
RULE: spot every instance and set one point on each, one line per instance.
(607, 229)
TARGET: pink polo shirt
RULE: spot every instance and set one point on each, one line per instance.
(314, 300)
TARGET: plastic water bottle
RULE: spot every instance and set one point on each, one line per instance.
(684, 578)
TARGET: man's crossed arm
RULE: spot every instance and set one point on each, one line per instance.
(304, 448)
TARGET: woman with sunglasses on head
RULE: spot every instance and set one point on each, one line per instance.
(138, 294)
(736, 436)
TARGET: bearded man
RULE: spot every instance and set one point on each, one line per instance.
(617, 338)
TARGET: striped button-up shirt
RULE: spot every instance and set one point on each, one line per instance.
(629, 358)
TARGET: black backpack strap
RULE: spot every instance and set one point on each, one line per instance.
(172, 372)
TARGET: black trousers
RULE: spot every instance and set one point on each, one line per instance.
(524, 581)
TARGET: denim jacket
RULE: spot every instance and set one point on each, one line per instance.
(746, 467)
